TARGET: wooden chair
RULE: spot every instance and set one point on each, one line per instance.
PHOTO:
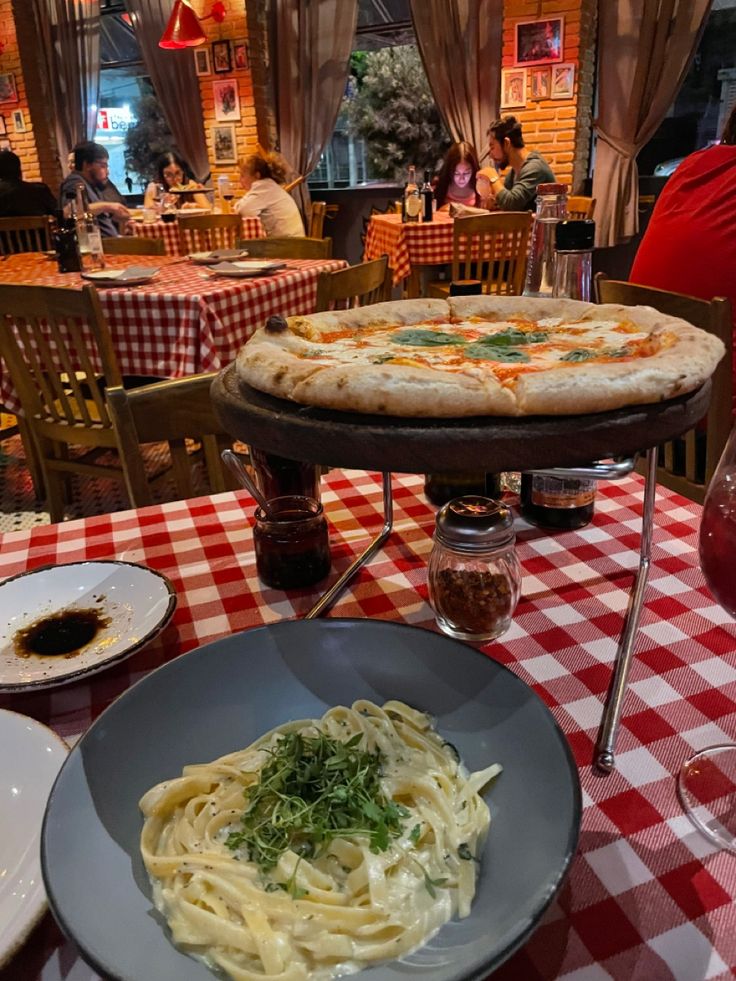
(133, 245)
(357, 286)
(287, 248)
(317, 219)
(292, 184)
(170, 411)
(579, 207)
(54, 341)
(686, 464)
(27, 234)
(491, 248)
(201, 233)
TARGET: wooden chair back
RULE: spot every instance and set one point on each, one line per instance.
(202, 233)
(580, 208)
(287, 248)
(25, 234)
(687, 464)
(317, 219)
(356, 286)
(170, 411)
(55, 342)
(492, 248)
(295, 183)
(133, 245)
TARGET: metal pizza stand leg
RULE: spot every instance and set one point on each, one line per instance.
(338, 587)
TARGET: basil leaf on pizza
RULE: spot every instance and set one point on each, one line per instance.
(471, 356)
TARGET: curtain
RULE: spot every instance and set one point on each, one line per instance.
(174, 81)
(460, 42)
(69, 36)
(644, 51)
(311, 42)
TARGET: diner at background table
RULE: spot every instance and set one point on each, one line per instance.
(647, 897)
(169, 232)
(185, 320)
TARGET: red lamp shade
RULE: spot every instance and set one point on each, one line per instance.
(183, 29)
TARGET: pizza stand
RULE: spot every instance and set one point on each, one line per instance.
(561, 445)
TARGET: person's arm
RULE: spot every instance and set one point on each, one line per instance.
(109, 208)
(252, 203)
(521, 196)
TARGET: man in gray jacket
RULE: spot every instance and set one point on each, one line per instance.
(91, 168)
(518, 190)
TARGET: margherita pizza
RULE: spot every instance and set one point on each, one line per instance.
(504, 356)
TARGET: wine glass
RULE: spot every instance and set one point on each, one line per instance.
(707, 782)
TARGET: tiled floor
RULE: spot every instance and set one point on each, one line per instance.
(20, 509)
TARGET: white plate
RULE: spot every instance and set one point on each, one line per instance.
(118, 277)
(136, 601)
(30, 757)
(248, 267)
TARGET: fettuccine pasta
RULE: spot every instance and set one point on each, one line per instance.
(325, 846)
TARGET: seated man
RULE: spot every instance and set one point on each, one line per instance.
(518, 191)
(19, 197)
(91, 166)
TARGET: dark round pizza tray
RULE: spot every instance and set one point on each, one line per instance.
(388, 443)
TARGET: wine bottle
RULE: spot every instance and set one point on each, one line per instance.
(427, 198)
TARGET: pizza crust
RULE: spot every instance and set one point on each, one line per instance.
(273, 363)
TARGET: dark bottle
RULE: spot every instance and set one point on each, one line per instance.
(440, 488)
(427, 198)
(65, 238)
(277, 476)
(555, 502)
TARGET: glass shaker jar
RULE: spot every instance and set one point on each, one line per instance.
(540, 270)
(291, 543)
(474, 575)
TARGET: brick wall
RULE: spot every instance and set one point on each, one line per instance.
(22, 143)
(235, 27)
(558, 128)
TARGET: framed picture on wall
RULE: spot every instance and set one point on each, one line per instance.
(202, 64)
(540, 83)
(8, 91)
(224, 143)
(563, 81)
(5, 144)
(513, 88)
(241, 60)
(222, 57)
(538, 42)
(227, 101)
(19, 121)
(3, 126)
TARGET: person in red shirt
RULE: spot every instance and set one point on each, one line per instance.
(690, 244)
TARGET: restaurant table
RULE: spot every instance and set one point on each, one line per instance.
(184, 321)
(169, 232)
(647, 897)
(409, 246)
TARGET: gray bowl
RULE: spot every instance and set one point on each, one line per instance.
(219, 698)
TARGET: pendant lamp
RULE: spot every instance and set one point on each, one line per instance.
(184, 29)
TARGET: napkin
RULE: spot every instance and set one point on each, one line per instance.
(122, 275)
(243, 268)
(465, 211)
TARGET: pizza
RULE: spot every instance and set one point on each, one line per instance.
(472, 356)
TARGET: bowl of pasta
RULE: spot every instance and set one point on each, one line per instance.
(311, 799)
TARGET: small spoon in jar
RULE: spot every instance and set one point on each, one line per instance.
(233, 462)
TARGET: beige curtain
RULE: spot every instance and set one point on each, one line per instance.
(174, 81)
(461, 43)
(311, 42)
(69, 52)
(644, 51)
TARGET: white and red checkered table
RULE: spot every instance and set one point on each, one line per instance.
(409, 246)
(647, 897)
(183, 321)
(169, 232)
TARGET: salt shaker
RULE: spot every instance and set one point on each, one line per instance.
(474, 574)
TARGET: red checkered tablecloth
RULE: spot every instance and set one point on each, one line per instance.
(169, 232)
(411, 244)
(647, 897)
(184, 321)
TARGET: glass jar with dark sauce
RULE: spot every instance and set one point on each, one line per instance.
(292, 544)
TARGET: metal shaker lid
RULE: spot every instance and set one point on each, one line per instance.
(551, 188)
(473, 523)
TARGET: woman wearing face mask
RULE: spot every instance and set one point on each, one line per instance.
(456, 183)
